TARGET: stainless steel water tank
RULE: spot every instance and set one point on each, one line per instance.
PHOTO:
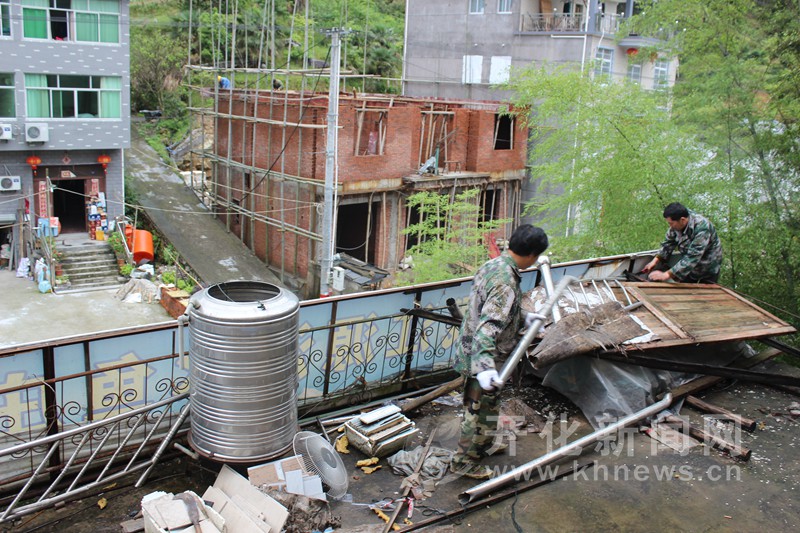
(243, 371)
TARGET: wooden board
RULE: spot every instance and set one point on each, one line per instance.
(682, 313)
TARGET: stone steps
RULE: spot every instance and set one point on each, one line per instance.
(90, 267)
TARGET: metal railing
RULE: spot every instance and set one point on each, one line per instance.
(566, 22)
(115, 447)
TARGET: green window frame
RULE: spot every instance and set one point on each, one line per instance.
(69, 96)
(7, 108)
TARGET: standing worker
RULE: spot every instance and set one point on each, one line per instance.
(696, 239)
(489, 333)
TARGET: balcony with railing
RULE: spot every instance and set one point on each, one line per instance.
(607, 23)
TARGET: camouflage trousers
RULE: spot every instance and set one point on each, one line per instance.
(478, 430)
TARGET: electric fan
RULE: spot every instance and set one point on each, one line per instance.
(320, 458)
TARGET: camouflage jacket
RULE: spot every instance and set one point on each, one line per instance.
(492, 318)
(700, 247)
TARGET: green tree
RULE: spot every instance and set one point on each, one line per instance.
(738, 90)
(156, 62)
(607, 157)
(450, 236)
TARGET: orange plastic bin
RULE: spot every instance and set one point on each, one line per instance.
(142, 246)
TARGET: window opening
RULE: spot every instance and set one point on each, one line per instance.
(635, 73)
(7, 95)
(603, 62)
(71, 20)
(65, 96)
(370, 131)
(436, 129)
(503, 132)
(5, 18)
(504, 6)
(476, 7)
(661, 74)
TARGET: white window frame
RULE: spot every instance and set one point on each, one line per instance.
(504, 6)
(472, 70)
(635, 73)
(477, 7)
(5, 19)
(661, 74)
(604, 62)
(71, 23)
(54, 85)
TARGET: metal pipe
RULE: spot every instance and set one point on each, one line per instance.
(181, 448)
(164, 443)
(544, 268)
(522, 472)
(530, 334)
(455, 312)
(182, 320)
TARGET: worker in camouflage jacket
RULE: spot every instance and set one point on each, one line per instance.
(696, 239)
(489, 332)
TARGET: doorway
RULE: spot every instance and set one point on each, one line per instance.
(356, 231)
(69, 205)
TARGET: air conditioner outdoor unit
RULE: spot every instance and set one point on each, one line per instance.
(5, 132)
(36, 132)
(10, 183)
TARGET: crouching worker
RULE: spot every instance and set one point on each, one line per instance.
(489, 333)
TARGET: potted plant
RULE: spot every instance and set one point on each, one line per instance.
(115, 240)
(57, 256)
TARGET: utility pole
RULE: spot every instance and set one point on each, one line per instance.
(328, 217)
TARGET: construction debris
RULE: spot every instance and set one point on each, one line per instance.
(305, 514)
(585, 331)
(184, 513)
(341, 444)
(380, 432)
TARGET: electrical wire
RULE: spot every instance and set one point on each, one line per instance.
(514, 514)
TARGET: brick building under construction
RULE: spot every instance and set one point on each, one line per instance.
(269, 155)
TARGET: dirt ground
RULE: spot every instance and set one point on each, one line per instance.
(635, 484)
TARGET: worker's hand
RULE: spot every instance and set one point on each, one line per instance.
(659, 275)
(488, 379)
(530, 318)
(650, 266)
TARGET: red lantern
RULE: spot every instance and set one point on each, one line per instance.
(34, 161)
(632, 52)
(104, 160)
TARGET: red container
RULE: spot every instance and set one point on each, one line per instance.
(129, 236)
(142, 246)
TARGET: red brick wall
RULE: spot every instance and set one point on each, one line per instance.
(470, 143)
